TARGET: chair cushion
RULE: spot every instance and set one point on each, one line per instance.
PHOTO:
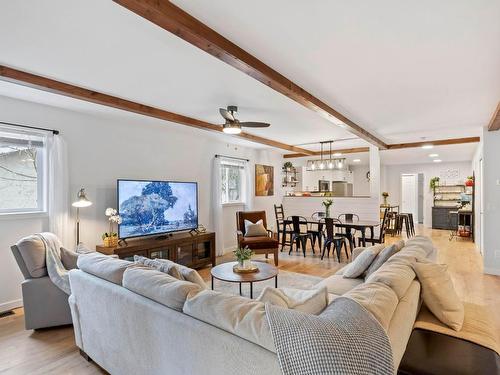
(103, 266)
(159, 286)
(262, 242)
(380, 259)
(68, 258)
(311, 301)
(255, 229)
(439, 293)
(337, 284)
(240, 316)
(32, 251)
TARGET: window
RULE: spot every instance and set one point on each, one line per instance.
(232, 174)
(22, 171)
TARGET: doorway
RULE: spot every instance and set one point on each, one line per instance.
(409, 195)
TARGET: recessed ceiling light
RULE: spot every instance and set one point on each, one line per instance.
(341, 125)
(356, 160)
(433, 155)
(337, 154)
(426, 147)
(437, 160)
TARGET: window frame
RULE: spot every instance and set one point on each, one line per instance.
(240, 165)
(42, 175)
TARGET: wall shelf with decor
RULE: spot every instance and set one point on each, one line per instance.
(290, 177)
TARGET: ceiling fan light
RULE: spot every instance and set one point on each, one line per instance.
(231, 129)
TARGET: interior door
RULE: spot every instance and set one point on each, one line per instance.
(409, 194)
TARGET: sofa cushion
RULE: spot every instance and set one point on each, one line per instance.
(423, 243)
(337, 284)
(378, 299)
(439, 293)
(410, 254)
(240, 316)
(311, 301)
(359, 265)
(397, 274)
(32, 251)
(103, 266)
(255, 229)
(159, 286)
(165, 266)
(68, 258)
(381, 258)
(399, 245)
(261, 242)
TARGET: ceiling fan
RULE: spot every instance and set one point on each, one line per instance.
(233, 125)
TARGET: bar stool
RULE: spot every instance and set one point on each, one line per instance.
(405, 219)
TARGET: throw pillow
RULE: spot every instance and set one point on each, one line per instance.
(381, 258)
(162, 265)
(255, 229)
(359, 265)
(68, 258)
(439, 293)
(399, 245)
(358, 250)
(81, 248)
(308, 301)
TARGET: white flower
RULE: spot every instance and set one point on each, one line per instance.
(110, 211)
(115, 219)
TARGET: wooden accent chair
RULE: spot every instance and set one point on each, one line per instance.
(381, 234)
(261, 244)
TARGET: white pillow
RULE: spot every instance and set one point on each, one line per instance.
(359, 265)
(439, 293)
(308, 301)
(255, 229)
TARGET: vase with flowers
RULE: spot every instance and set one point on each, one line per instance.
(469, 181)
(111, 238)
(243, 256)
(385, 195)
(327, 203)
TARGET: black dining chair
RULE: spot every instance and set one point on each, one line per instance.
(280, 226)
(300, 234)
(316, 228)
(332, 238)
(382, 231)
(351, 218)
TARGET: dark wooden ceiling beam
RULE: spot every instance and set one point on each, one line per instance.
(173, 19)
(439, 142)
(66, 89)
(495, 119)
(341, 151)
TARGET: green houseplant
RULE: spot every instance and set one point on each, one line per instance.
(434, 182)
(243, 256)
(288, 165)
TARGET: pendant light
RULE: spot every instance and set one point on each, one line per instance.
(321, 164)
(330, 163)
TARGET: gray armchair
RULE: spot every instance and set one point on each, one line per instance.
(45, 305)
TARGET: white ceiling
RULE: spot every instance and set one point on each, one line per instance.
(405, 70)
(102, 46)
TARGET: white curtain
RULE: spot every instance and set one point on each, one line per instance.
(217, 219)
(58, 186)
(248, 191)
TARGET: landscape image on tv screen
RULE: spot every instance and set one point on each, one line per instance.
(155, 207)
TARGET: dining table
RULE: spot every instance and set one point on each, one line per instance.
(348, 225)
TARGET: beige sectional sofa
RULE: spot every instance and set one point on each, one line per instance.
(130, 319)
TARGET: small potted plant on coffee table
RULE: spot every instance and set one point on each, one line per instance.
(243, 257)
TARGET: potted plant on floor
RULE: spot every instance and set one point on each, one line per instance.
(434, 182)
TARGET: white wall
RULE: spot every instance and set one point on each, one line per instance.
(360, 184)
(476, 169)
(102, 148)
(491, 195)
(391, 181)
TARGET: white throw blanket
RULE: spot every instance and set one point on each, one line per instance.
(57, 273)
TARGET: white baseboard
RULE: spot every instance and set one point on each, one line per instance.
(6, 306)
(492, 271)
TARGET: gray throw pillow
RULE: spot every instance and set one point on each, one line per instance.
(381, 258)
(69, 258)
(359, 265)
(255, 229)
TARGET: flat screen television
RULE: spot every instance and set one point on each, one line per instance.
(156, 207)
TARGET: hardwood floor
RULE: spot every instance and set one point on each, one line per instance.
(53, 351)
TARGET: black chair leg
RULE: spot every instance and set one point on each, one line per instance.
(311, 238)
(323, 252)
(304, 243)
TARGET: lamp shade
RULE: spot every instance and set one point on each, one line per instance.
(82, 200)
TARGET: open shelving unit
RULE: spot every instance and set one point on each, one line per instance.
(290, 177)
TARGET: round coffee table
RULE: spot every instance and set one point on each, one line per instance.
(224, 272)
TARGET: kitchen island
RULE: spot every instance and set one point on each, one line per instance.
(365, 207)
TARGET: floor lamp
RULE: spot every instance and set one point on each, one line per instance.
(81, 202)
